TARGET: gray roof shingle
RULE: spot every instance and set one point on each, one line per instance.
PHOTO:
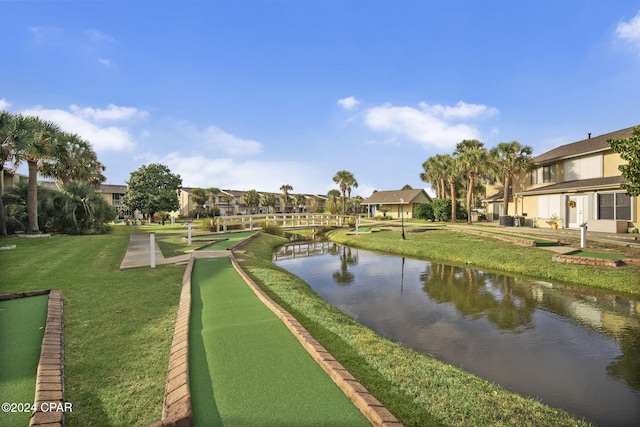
(579, 148)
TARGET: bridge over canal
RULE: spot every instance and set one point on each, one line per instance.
(289, 221)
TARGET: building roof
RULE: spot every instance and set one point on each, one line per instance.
(111, 188)
(610, 182)
(581, 148)
(393, 197)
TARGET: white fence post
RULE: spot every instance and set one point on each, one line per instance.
(152, 252)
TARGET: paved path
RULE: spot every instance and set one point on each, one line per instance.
(139, 253)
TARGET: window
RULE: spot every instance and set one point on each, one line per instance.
(614, 206)
(549, 173)
(543, 174)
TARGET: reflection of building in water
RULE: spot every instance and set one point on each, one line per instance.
(608, 314)
(304, 249)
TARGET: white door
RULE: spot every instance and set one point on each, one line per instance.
(577, 210)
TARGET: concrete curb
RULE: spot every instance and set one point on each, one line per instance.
(176, 407)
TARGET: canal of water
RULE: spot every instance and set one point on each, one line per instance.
(571, 349)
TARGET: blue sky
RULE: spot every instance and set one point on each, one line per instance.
(255, 94)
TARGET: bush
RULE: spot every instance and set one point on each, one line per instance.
(271, 227)
(442, 210)
(425, 211)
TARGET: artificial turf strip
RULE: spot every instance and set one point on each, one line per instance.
(232, 239)
(245, 366)
(22, 324)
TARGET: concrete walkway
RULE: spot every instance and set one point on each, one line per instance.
(139, 254)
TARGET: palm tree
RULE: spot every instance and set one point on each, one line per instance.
(214, 192)
(74, 160)
(453, 173)
(7, 151)
(345, 181)
(435, 172)
(252, 199)
(285, 188)
(473, 161)
(510, 158)
(228, 198)
(299, 200)
(38, 140)
(333, 196)
(269, 200)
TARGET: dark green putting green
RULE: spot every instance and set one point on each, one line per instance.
(22, 323)
(245, 366)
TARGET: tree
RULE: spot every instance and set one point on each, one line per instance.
(37, 143)
(74, 160)
(345, 181)
(508, 159)
(7, 150)
(333, 196)
(252, 199)
(214, 192)
(200, 198)
(229, 199)
(435, 173)
(285, 188)
(82, 210)
(407, 187)
(269, 200)
(473, 163)
(299, 200)
(152, 189)
(629, 150)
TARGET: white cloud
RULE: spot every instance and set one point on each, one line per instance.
(4, 104)
(111, 113)
(348, 103)
(214, 138)
(202, 171)
(86, 123)
(105, 62)
(630, 30)
(430, 125)
(461, 110)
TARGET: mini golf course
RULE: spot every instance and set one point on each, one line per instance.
(231, 239)
(245, 366)
(22, 326)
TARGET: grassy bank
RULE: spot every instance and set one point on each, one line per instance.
(484, 252)
(419, 390)
(118, 325)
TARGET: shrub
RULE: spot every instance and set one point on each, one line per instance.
(271, 227)
(442, 210)
(425, 211)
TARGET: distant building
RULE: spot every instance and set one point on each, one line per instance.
(395, 203)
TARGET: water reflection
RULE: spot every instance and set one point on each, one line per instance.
(572, 349)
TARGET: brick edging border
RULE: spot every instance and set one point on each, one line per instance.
(50, 376)
(370, 407)
(176, 407)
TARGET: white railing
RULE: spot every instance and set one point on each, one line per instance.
(290, 220)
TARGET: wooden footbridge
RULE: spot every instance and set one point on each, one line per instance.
(290, 221)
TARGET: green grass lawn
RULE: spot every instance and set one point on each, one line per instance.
(118, 325)
(22, 324)
(246, 368)
(461, 248)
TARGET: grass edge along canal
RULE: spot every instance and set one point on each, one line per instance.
(419, 390)
(246, 366)
(466, 249)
